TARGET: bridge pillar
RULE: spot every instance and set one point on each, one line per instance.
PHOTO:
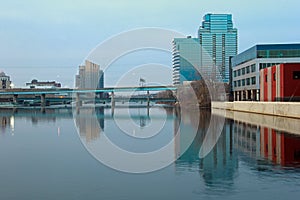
(148, 98)
(113, 102)
(15, 98)
(43, 100)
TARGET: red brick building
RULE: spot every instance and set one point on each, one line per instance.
(280, 83)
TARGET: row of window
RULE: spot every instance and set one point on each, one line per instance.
(265, 65)
(244, 82)
(245, 70)
(278, 53)
(251, 68)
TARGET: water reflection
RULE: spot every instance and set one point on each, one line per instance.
(263, 143)
(250, 159)
(219, 167)
(7, 122)
(270, 141)
(90, 123)
(36, 116)
(257, 138)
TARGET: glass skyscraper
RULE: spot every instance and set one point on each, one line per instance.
(186, 60)
(218, 37)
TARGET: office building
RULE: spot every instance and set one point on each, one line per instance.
(246, 67)
(219, 38)
(89, 76)
(5, 82)
(280, 83)
(186, 60)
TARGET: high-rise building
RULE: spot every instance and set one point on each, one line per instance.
(90, 76)
(186, 60)
(218, 37)
(5, 82)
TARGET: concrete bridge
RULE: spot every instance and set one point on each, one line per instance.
(42, 97)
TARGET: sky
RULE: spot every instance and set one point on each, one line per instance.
(48, 39)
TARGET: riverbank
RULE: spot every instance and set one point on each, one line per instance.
(283, 109)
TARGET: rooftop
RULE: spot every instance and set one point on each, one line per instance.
(267, 51)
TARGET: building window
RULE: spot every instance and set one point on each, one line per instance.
(239, 72)
(239, 83)
(243, 71)
(243, 82)
(296, 75)
(253, 80)
(253, 68)
(248, 81)
(248, 69)
(234, 74)
(234, 83)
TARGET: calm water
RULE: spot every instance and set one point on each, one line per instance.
(54, 155)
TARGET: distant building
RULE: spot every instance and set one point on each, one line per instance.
(89, 76)
(5, 82)
(246, 66)
(218, 37)
(43, 84)
(280, 83)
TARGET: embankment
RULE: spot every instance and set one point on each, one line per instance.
(283, 109)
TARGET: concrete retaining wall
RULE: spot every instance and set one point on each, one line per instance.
(285, 124)
(284, 109)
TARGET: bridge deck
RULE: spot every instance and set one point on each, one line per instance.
(19, 91)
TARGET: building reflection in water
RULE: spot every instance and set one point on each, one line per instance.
(246, 139)
(219, 166)
(279, 147)
(238, 141)
(90, 123)
(253, 144)
(8, 116)
(7, 122)
(260, 142)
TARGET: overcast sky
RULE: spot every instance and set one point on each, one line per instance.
(39, 36)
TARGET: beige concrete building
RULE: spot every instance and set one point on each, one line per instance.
(5, 82)
(89, 76)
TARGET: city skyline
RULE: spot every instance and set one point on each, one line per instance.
(59, 34)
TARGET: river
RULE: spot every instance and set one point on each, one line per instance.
(145, 153)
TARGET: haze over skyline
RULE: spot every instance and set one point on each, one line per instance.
(38, 35)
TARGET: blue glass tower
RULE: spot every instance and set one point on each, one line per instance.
(186, 60)
(218, 37)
